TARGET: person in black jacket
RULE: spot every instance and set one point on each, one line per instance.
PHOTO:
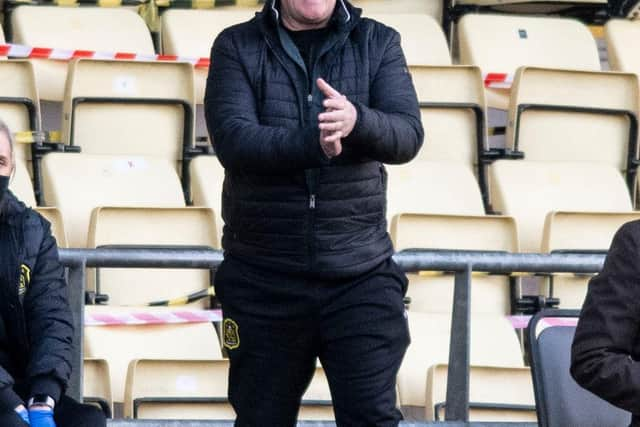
(304, 103)
(35, 320)
(606, 346)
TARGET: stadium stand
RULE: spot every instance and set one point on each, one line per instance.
(134, 95)
(578, 232)
(89, 28)
(430, 7)
(105, 181)
(575, 116)
(430, 347)
(422, 39)
(560, 401)
(150, 227)
(54, 217)
(207, 176)
(501, 44)
(96, 384)
(619, 34)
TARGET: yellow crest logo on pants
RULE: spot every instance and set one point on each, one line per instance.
(231, 336)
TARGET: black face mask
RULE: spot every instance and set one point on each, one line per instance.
(4, 186)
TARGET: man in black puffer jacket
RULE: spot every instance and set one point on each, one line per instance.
(304, 104)
(36, 327)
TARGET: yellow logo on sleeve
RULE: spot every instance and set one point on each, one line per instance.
(25, 279)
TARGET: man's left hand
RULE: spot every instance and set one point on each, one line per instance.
(340, 115)
(41, 416)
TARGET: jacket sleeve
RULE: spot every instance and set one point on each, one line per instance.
(389, 130)
(49, 322)
(240, 141)
(8, 398)
(601, 357)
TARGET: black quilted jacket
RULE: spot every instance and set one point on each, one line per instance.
(286, 206)
(34, 310)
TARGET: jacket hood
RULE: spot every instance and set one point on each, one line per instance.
(10, 208)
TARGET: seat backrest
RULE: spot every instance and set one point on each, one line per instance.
(78, 183)
(502, 43)
(433, 291)
(184, 382)
(453, 110)
(316, 402)
(430, 336)
(96, 383)
(621, 35)
(21, 185)
(506, 392)
(560, 115)
(190, 32)
(19, 94)
(579, 231)
(422, 39)
(2, 39)
(87, 28)
(54, 217)
(529, 190)
(431, 7)
(119, 345)
(560, 401)
(129, 108)
(150, 227)
(207, 176)
(432, 187)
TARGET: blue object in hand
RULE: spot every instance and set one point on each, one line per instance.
(23, 414)
(41, 417)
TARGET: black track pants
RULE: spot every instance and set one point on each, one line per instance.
(276, 325)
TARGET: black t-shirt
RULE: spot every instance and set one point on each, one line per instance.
(309, 43)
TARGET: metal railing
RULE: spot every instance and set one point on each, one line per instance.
(462, 263)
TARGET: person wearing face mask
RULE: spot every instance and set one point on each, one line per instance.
(305, 103)
(36, 326)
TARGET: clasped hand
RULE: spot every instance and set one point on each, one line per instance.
(337, 120)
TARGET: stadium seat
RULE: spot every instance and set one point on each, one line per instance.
(97, 385)
(453, 109)
(560, 401)
(494, 343)
(579, 232)
(433, 291)
(207, 176)
(78, 183)
(501, 44)
(529, 190)
(2, 39)
(19, 101)
(432, 187)
(422, 39)
(21, 185)
(119, 345)
(574, 116)
(190, 33)
(129, 108)
(620, 35)
(496, 394)
(150, 227)
(85, 28)
(178, 389)
(431, 7)
(197, 389)
(54, 217)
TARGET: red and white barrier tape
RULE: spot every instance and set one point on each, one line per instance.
(521, 322)
(497, 80)
(22, 51)
(147, 318)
